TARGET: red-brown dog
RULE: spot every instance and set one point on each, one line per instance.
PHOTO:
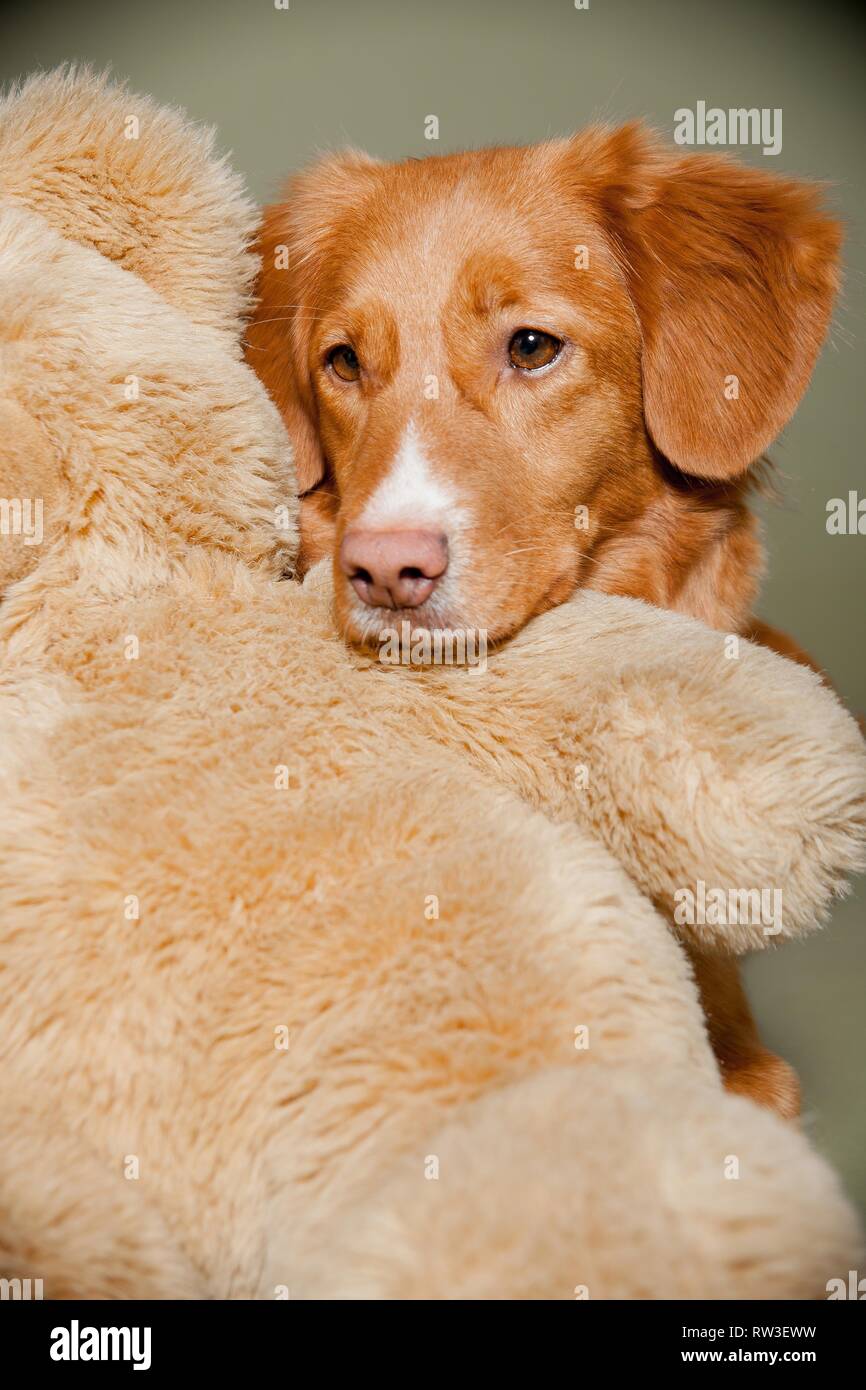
(512, 372)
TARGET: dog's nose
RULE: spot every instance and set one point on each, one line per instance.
(393, 569)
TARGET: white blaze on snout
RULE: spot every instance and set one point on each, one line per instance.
(410, 495)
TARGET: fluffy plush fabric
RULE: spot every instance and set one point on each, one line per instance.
(137, 182)
(324, 978)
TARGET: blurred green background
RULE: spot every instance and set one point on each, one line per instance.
(284, 84)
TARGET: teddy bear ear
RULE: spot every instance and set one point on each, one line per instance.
(136, 181)
(29, 487)
(732, 272)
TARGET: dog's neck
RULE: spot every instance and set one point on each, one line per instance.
(675, 542)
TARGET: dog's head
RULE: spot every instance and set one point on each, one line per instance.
(487, 361)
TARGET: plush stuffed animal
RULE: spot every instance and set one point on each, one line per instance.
(324, 977)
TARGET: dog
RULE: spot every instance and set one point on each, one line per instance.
(513, 372)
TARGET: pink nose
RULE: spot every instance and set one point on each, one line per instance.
(393, 569)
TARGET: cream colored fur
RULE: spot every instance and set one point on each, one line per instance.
(398, 874)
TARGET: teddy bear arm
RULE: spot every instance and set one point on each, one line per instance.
(729, 782)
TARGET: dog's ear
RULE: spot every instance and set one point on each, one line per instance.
(299, 241)
(732, 273)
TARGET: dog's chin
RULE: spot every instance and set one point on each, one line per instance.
(371, 627)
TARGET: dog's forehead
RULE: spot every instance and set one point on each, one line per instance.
(434, 224)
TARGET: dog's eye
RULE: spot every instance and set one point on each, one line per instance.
(530, 349)
(344, 362)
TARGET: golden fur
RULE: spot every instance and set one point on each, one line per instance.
(230, 832)
(691, 296)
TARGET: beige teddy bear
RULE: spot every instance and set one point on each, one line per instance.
(321, 977)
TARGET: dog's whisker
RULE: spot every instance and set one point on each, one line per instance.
(287, 318)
